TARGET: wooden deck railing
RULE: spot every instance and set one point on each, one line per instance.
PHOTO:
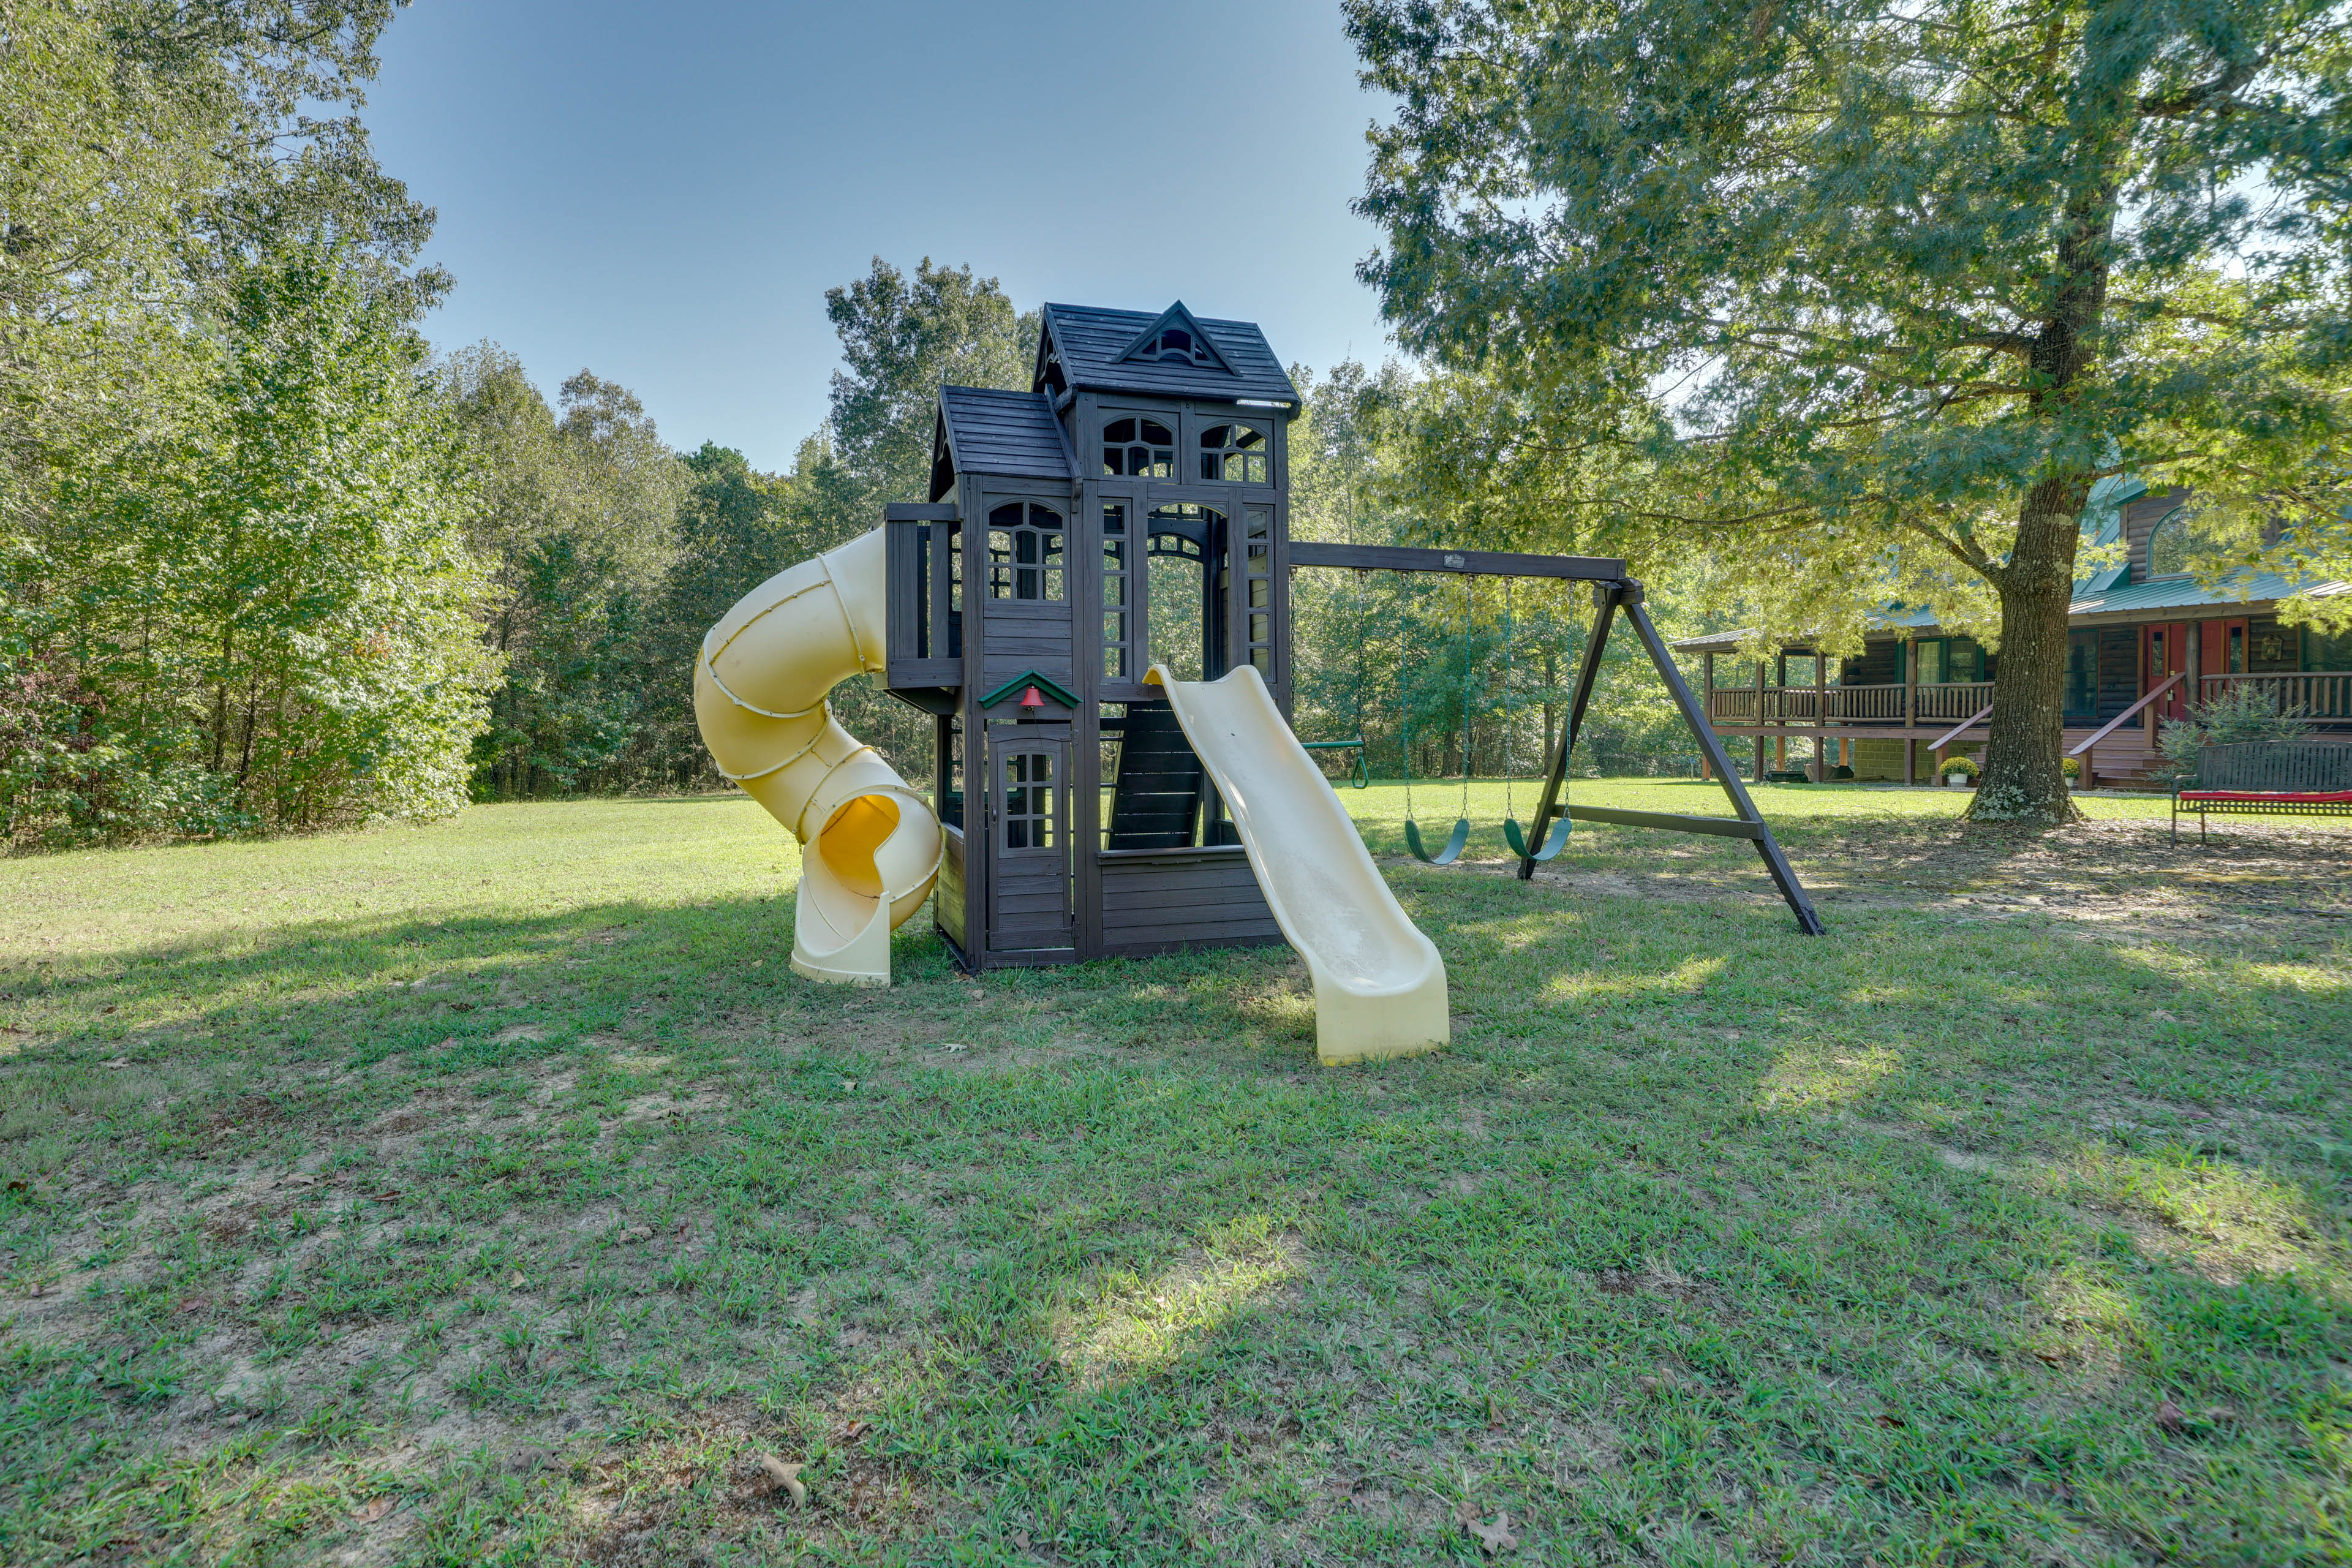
(1804, 707)
(2321, 695)
(1954, 700)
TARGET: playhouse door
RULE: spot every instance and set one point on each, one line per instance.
(1029, 904)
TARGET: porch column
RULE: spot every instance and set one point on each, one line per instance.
(1911, 709)
(1760, 747)
(1706, 671)
(1820, 717)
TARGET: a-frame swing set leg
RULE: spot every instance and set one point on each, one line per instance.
(1749, 824)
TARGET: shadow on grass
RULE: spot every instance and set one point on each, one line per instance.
(1705, 1238)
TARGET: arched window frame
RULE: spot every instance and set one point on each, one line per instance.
(1239, 452)
(2176, 522)
(1181, 345)
(1139, 446)
(1027, 560)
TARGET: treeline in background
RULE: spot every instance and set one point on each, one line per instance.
(268, 563)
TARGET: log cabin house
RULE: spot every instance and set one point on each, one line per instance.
(2145, 640)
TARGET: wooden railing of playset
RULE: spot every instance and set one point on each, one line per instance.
(922, 613)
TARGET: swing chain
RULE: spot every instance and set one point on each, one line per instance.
(1405, 700)
(1510, 809)
(1468, 688)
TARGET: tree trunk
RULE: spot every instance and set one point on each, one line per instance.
(2023, 780)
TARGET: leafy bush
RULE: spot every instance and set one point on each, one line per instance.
(2243, 712)
(1958, 765)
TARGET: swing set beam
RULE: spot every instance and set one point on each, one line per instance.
(1469, 563)
(1612, 593)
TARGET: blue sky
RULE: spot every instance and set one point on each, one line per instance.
(663, 194)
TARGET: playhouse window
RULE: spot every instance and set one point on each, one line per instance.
(1257, 590)
(1024, 553)
(1235, 454)
(1029, 801)
(1139, 448)
(1116, 603)
(1185, 544)
(1177, 346)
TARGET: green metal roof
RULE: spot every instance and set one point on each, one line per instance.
(2185, 593)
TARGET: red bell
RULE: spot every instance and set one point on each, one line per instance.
(1032, 699)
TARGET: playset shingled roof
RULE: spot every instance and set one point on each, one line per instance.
(995, 432)
(1093, 343)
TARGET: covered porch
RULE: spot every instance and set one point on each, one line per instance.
(1895, 711)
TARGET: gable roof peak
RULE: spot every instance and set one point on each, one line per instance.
(1175, 337)
(1088, 346)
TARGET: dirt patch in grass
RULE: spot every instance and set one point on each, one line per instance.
(710, 1481)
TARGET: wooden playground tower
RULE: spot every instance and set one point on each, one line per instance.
(1133, 507)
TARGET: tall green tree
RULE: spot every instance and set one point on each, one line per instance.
(193, 232)
(901, 338)
(579, 517)
(157, 150)
(322, 564)
(1813, 283)
(735, 530)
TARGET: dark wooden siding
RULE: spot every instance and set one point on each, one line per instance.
(1030, 905)
(947, 897)
(1018, 643)
(2119, 670)
(1880, 663)
(1157, 898)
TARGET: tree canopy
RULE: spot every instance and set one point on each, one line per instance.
(901, 338)
(1866, 300)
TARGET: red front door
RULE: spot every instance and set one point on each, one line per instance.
(2221, 650)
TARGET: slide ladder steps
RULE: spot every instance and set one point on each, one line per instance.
(1157, 792)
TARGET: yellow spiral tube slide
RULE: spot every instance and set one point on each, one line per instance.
(760, 690)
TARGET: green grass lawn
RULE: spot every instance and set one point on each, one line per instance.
(493, 1192)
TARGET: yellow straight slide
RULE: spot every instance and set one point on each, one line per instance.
(1380, 986)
